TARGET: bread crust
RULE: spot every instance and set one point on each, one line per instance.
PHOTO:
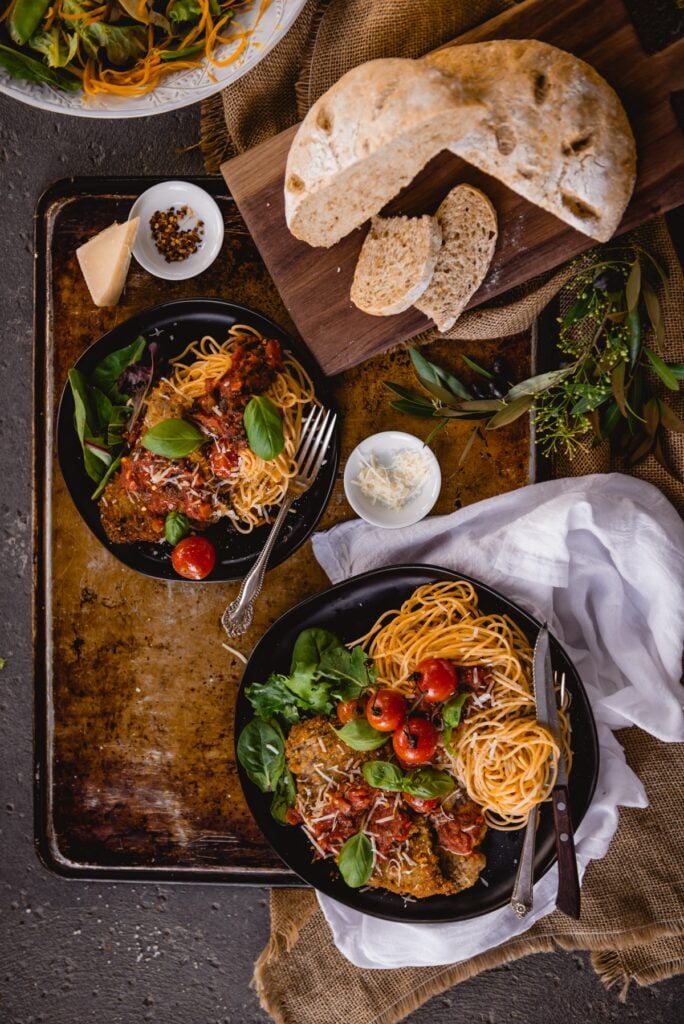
(537, 118)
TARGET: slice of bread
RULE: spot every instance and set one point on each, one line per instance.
(469, 231)
(395, 264)
(551, 129)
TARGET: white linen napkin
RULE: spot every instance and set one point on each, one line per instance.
(601, 558)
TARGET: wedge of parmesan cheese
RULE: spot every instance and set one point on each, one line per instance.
(105, 259)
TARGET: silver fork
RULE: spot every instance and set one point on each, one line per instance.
(317, 430)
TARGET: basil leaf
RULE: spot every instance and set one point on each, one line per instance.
(106, 478)
(428, 783)
(106, 374)
(446, 740)
(173, 438)
(356, 860)
(451, 712)
(360, 735)
(176, 526)
(261, 752)
(284, 797)
(384, 775)
(264, 427)
(352, 671)
(310, 646)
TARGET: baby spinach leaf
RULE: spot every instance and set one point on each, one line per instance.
(85, 425)
(174, 439)
(264, 427)
(176, 526)
(451, 711)
(106, 374)
(384, 775)
(310, 646)
(273, 698)
(356, 860)
(352, 671)
(261, 752)
(360, 735)
(284, 796)
(428, 783)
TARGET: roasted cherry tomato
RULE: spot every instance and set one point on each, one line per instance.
(347, 710)
(421, 805)
(386, 710)
(415, 742)
(193, 557)
(436, 679)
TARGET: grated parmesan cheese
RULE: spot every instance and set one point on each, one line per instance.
(394, 485)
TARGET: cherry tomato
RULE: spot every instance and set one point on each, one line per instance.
(415, 742)
(386, 710)
(420, 804)
(193, 557)
(437, 679)
(347, 710)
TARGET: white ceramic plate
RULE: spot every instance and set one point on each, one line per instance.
(176, 194)
(385, 446)
(177, 90)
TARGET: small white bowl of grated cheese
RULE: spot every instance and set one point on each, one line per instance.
(392, 479)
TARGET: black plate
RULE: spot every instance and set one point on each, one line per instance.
(349, 609)
(173, 325)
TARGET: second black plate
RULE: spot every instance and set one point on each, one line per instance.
(174, 325)
(349, 609)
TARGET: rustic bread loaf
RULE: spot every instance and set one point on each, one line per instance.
(469, 230)
(395, 264)
(551, 129)
(363, 141)
(542, 121)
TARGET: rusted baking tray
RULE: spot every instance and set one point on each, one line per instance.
(134, 691)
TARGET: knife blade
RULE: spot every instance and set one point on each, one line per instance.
(568, 898)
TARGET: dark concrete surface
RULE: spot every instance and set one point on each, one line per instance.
(74, 952)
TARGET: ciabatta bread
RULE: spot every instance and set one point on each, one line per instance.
(539, 119)
(363, 141)
(395, 264)
(551, 129)
(469, 230)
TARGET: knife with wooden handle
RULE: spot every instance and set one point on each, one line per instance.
(568, 898)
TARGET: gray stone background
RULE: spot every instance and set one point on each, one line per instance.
(73, 952)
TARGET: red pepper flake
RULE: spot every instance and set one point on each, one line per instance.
(173, 242)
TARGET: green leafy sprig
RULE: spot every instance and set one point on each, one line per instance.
(603, 385)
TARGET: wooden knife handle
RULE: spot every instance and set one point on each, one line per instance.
(568, 900)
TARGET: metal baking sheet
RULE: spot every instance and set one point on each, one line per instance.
(134, 690)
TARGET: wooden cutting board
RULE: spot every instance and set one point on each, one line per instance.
(314, 283)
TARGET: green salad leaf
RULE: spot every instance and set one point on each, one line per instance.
(264, 427)
(351, 671)
(356, 860)
(106, 373)
(57, 48)
(174, 439)
(284, 796)
(86, 425)
(261, 751)
(121, 43)
(20, 65)
(275, 698)
(310, 646)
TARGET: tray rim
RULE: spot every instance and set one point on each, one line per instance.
(45, 840)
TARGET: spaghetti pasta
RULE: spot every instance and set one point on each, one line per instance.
(505, 760)
(257, 485)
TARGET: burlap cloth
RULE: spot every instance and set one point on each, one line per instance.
(633, 900)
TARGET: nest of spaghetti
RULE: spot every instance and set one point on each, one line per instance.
(200, 405)
(425, 737)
